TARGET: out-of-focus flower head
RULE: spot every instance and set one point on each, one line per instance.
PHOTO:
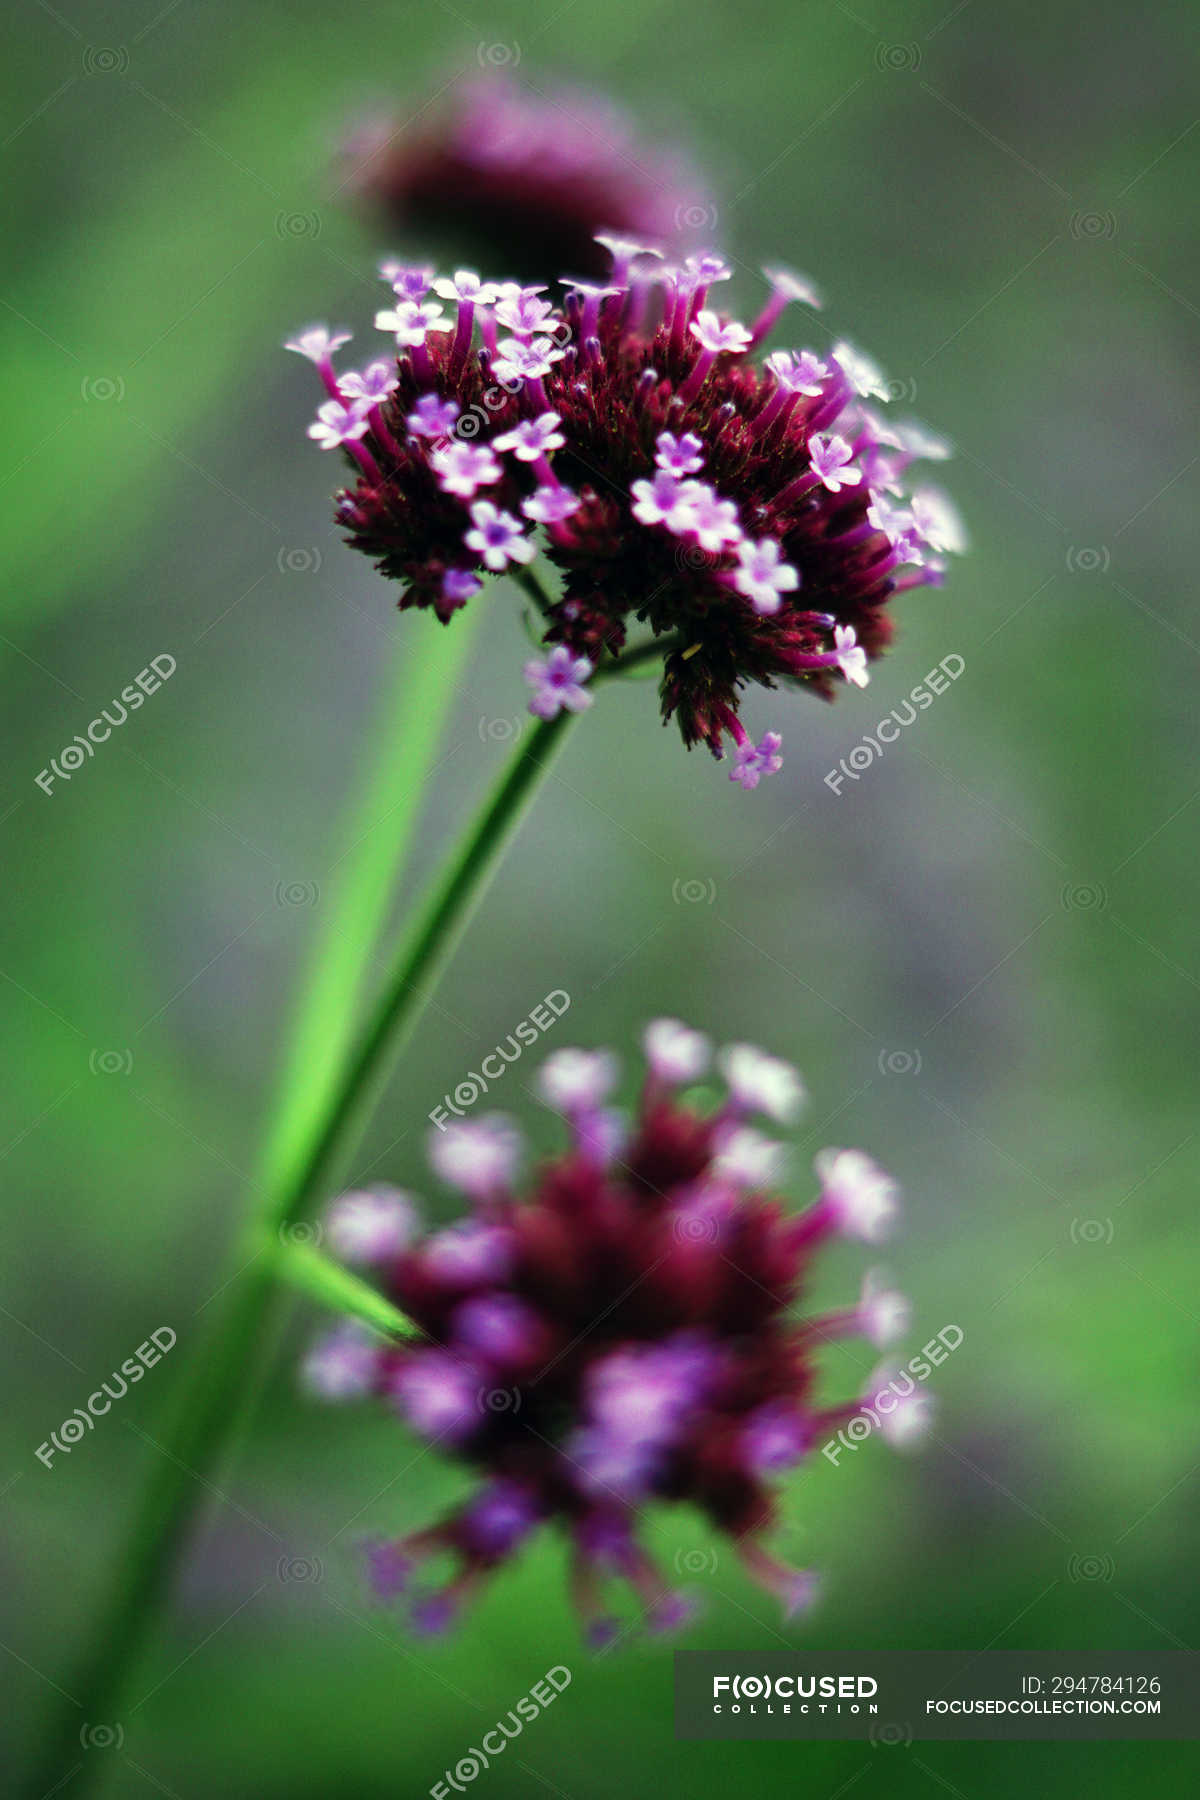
(618, 1330)
(755, 517)
(524, 176)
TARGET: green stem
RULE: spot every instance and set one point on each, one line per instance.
(305, 1168)
(360, 892)
(310, 1271)
(423, 956)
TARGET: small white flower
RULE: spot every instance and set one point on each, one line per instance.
(907, 1413)
(461, 468)
(408, 281)
(622, 248)
(465, 285)
(761, 1083)
(370, 1225)
(478, 1156)
(375, 382)
(706, 269)
(518, 361)
(497, 537)
(865, 377)
(577, 1080)
(523, 312)
(674, 1051)
(550, 505)
(799, 373)
(922, 444)
(851, 657)
(336, 424)
(884, 1314)
(938, 522)
(763, 577)
(317, 342)
(432, 417)
(712, 521)
(558, 681)
(411, 322)
(679, 456)
(793, 286)
(716, 337)
(862, 1198)
(749, 1159)
(342, 1365)
(660, 501)
(532, 438)
(832, 461)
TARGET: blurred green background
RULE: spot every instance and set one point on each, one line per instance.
(982, 954)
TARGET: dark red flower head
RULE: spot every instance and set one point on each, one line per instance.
(525, 177)
(618, 1331)
(753, 518)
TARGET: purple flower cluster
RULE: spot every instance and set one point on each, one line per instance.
(755, 518)
(620, 1330)
(531, 176)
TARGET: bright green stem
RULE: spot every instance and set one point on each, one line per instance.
(303, 1164)
(360, 893)
(305, 1267)
(317, 1127)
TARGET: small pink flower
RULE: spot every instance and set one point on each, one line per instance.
(519, 361)
(375, 382)
(432, 417)
(763, 576)
(317, 343)
(411, 322)
(752, 761)
(550, 505)
(833, 461)
(557, 682)
(713, 335)
(851, 657)
(336, 424)
(462, 468)
(465, 286)
(679, 456)
(497, 537)
(659, 501)
(532, 438)
(799, 373)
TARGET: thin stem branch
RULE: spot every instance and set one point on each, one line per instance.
(639, 654)
(526, 578)
(330, 1284)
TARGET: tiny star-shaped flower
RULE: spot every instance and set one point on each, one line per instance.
(532, 438)
(317, 342)
(336, 424)
(412, 321)
(716, 337)
(851, 657)
(763, 576)
(497, 537)
(832, 461)
(550, 505)
(462, 468)
(679, 455)
(557, 682)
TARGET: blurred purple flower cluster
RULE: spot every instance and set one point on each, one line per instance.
(525, 176)
(616, 1331)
